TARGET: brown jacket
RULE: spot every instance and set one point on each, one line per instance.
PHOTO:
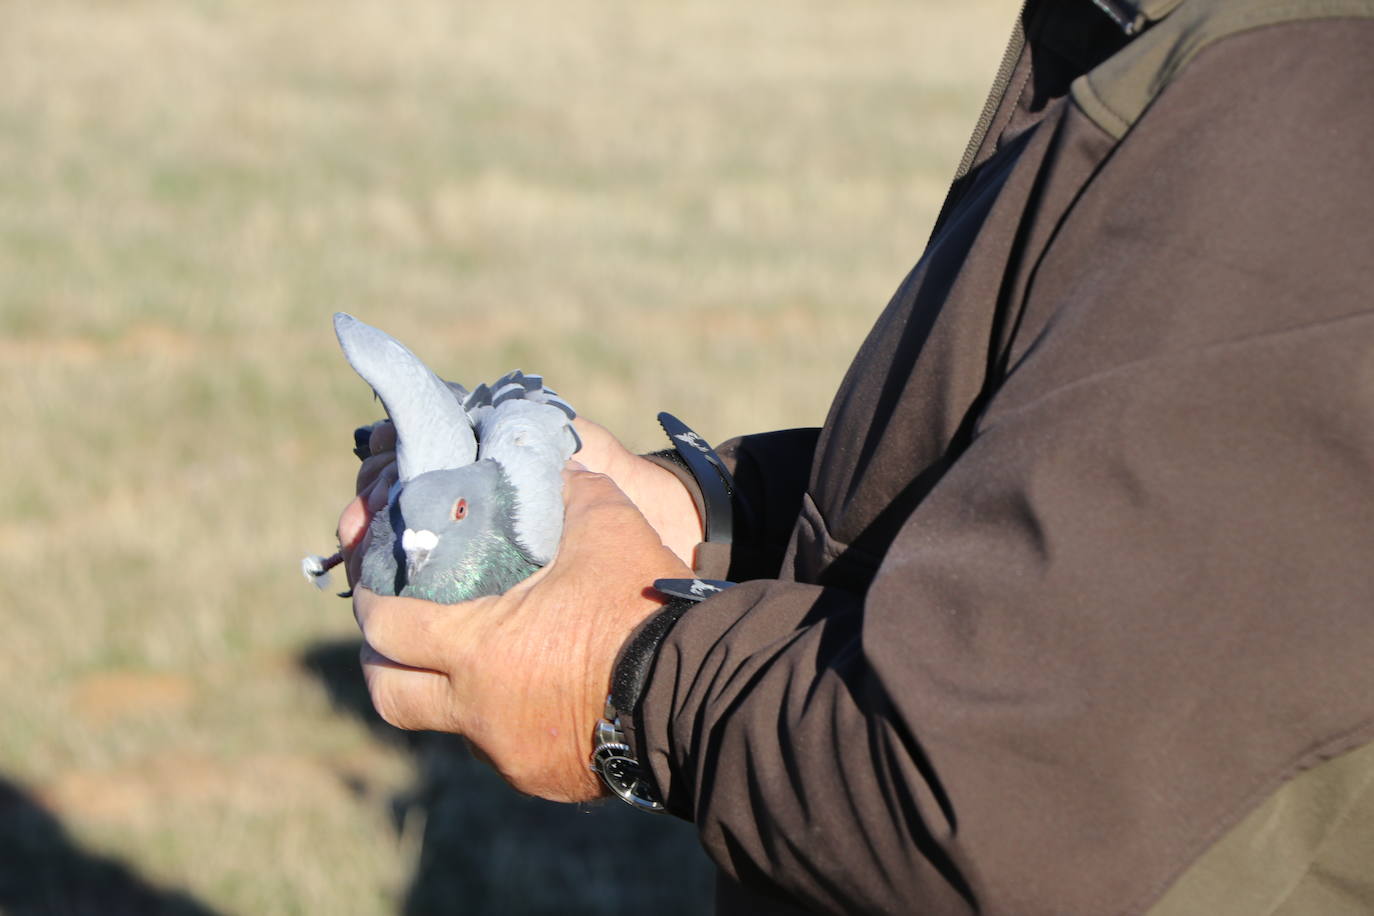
(1080, 569)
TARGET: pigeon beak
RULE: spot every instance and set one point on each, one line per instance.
(418, 545)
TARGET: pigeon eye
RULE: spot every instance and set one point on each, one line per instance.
(460, 510)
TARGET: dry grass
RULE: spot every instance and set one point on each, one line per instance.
(696, 207)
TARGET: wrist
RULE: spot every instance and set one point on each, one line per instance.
(632, 618)
(618, 761)
(675, 514)
(618, 756)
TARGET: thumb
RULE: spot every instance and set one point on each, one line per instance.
(598, 516)
(353, 523)
(588, 492)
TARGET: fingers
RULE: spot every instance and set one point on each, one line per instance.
(601, 451)
(381, 465)
(376, 494)
(378, 466)
(353, 524)
(357, 516)
(382, 438)
(409, 698)
(411, 632)
(591, 431)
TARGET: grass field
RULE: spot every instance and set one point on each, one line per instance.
(696, 207)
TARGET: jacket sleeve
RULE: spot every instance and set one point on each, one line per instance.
(1139, 599)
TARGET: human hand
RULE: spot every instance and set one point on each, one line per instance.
(660, 496)
(375, 477)
(524, 675)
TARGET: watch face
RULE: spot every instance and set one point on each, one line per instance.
(620, 771)
(622, 774)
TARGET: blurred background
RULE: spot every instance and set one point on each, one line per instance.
(694, 206)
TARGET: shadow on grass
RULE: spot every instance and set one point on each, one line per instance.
(488, 849)
(42, 872)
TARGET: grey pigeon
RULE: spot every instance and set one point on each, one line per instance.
(478, 504)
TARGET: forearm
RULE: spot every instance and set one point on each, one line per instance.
(765, 725)
(1083, 653)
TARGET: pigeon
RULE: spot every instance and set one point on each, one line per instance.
(478, 501)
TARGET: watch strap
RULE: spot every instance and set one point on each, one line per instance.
(636, 658)
(718, 493)
(614, 758)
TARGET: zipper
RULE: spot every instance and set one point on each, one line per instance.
(1010, 56)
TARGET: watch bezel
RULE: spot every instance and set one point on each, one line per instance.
(614, 761)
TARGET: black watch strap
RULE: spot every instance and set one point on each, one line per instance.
(636, 659)
(613, 758)
(718, 494)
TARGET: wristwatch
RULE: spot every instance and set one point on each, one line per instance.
(614, 761)
(613, 758)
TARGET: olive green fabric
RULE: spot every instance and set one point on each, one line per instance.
(1116, 93)
(1309, 849)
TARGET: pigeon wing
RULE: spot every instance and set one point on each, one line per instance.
(433, 432)
(531, 437)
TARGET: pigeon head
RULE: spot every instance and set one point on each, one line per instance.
(453, 529)
(449, 508)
